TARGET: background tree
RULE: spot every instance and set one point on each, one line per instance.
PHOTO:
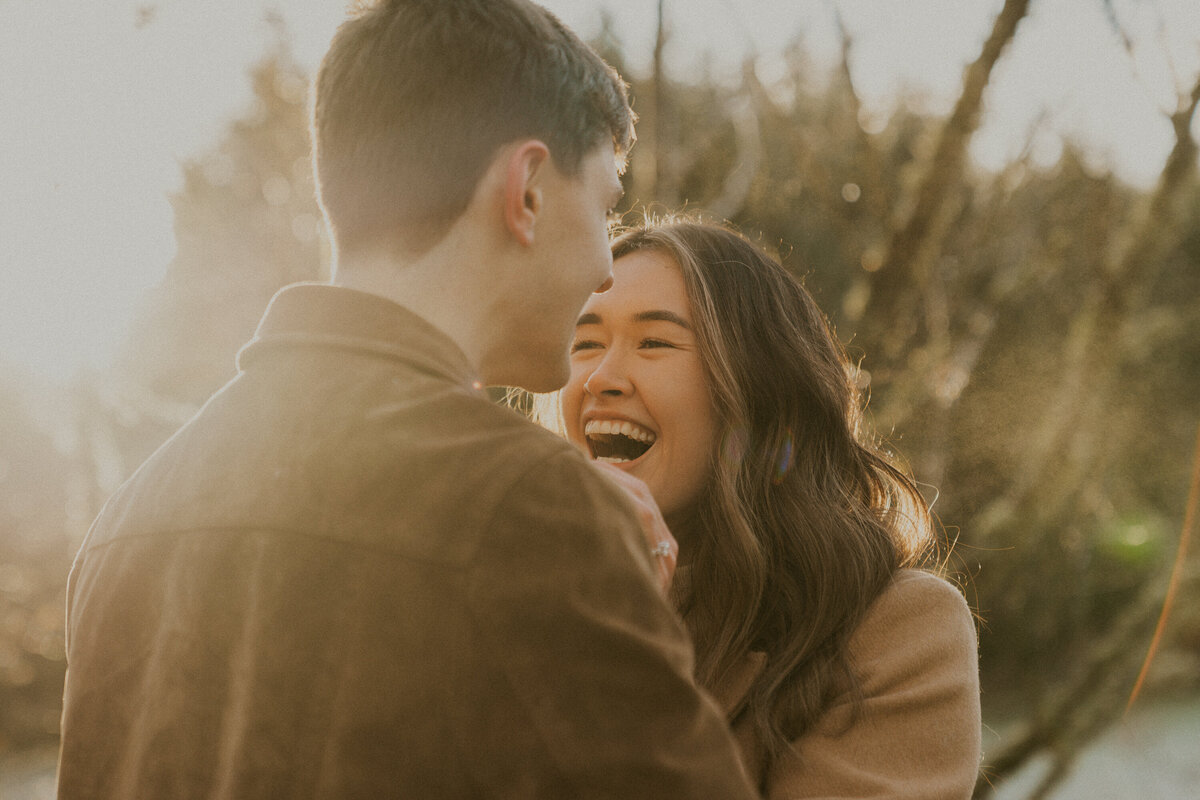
(247, 224)
(1030, 341)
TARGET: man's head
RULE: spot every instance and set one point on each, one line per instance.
(416, 97)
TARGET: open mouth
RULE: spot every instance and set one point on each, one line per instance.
(617, 442)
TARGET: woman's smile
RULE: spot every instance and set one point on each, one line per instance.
(617, 441)
(638, 395)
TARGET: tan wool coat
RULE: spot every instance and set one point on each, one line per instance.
(917, 736)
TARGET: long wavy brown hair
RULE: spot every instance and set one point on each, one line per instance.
(807, 518)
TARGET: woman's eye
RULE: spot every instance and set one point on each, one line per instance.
(649, 343)
(584, 344)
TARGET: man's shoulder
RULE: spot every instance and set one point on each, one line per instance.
(526, 470)
(475, 440)
(510, 435)
(418, 473)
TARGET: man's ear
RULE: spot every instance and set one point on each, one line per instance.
(523, 187)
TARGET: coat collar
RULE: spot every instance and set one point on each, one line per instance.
(312, 314)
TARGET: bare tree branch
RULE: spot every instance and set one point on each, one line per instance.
(665, 189)
(870, 159)
(1091, 339)
(1065, 446)
(749, 149)
(915, 240)
(1130, 48)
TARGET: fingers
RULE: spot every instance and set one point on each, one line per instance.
(636, 487)
(664, 550)
(666, 556)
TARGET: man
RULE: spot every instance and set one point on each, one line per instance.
(351, 575)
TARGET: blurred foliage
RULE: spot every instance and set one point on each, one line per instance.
(246, 224)
(1037, 363)
(35, 552)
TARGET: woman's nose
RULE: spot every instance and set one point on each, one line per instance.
(608, 379)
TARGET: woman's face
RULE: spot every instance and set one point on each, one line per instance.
(638, 395)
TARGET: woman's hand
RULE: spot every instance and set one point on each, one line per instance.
(664, 550)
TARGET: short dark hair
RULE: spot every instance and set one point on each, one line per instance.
(414, 98)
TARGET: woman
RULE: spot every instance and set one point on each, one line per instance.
(709, 372)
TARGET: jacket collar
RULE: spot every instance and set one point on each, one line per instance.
(314, 314)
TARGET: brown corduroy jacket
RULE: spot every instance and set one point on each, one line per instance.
(353, 576)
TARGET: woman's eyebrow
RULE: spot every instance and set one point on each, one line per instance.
(663, 316)
(642, 316)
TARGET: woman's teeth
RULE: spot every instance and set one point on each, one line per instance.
(617, 441)
(619, 428)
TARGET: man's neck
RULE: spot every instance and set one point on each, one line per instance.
(439, 287)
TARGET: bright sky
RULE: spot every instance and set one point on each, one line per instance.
(101, 101)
